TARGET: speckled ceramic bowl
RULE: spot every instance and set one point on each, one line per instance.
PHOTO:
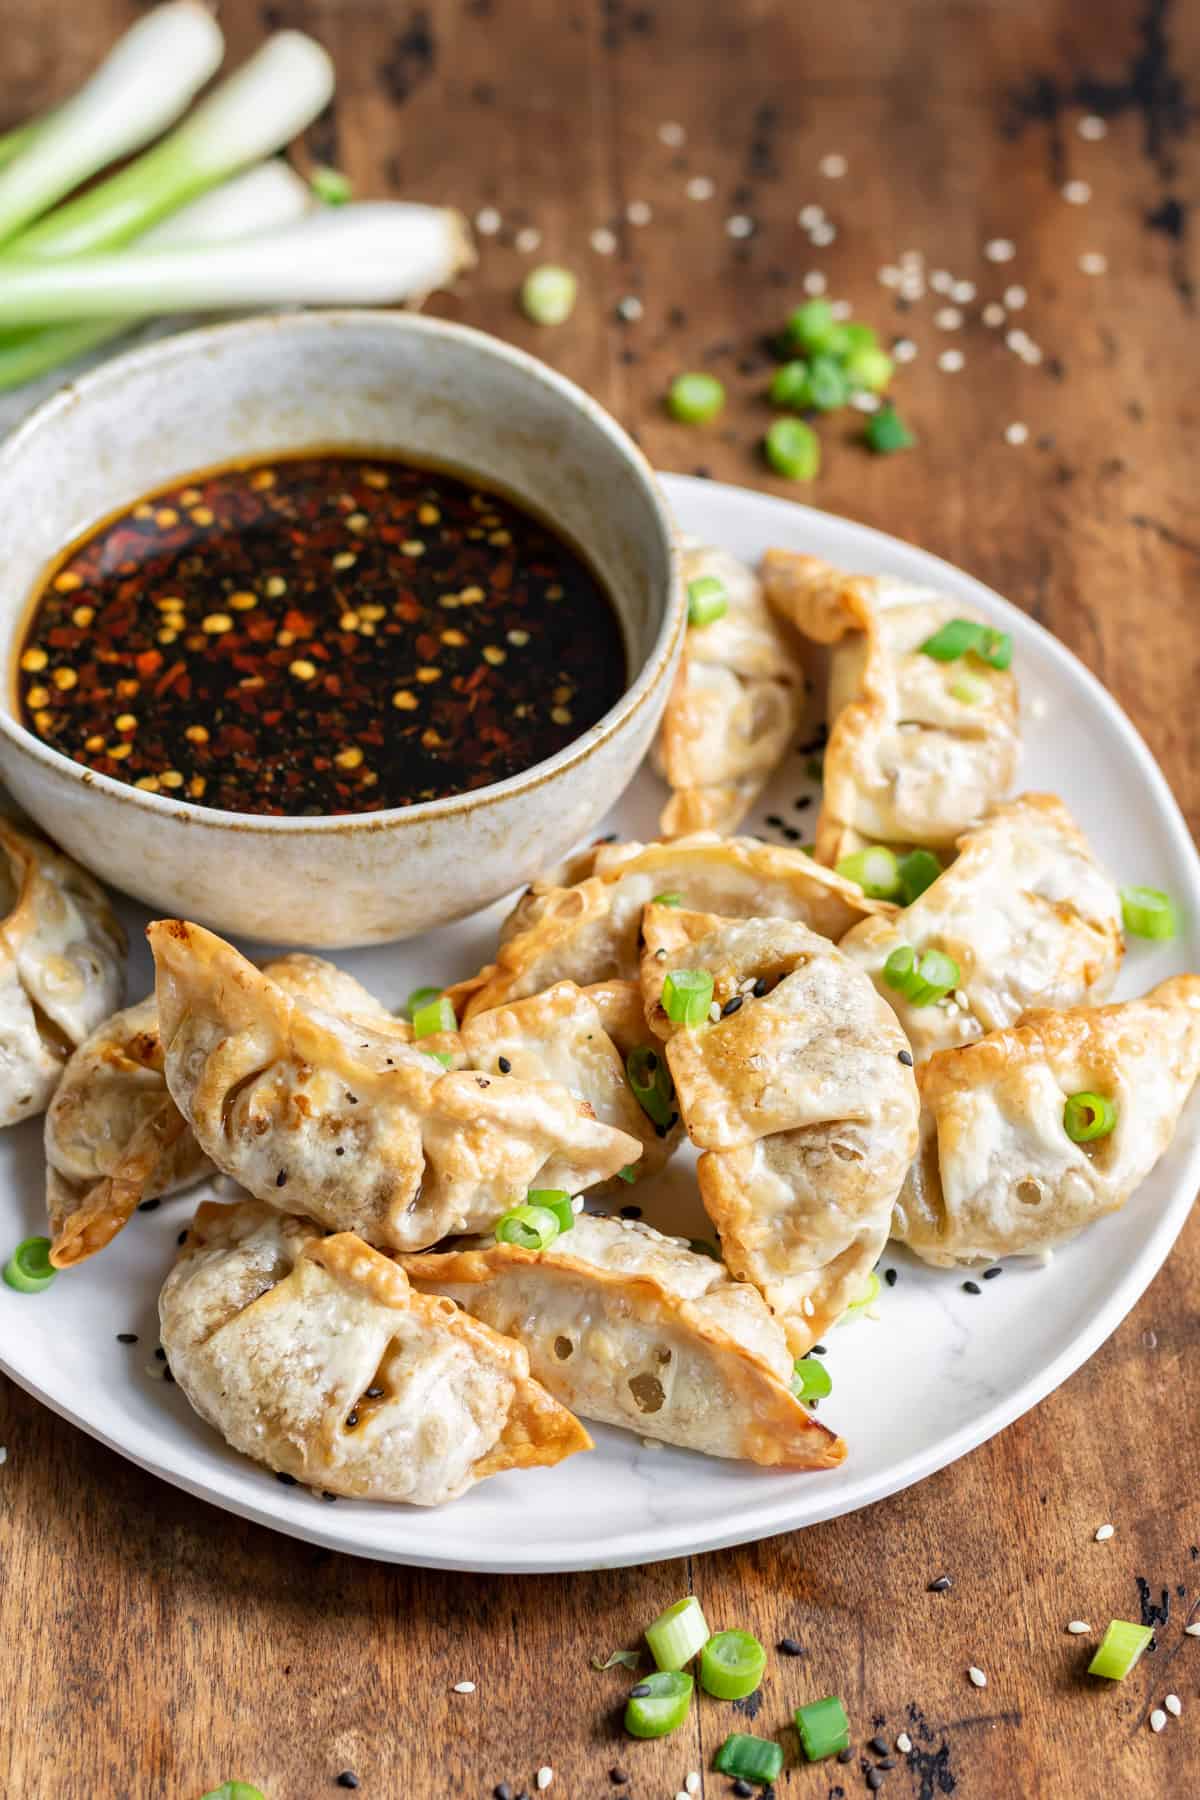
(391, 381)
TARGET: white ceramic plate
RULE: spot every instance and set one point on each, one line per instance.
(935, 1374)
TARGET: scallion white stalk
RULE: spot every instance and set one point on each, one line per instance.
(146, 81)
(253, 114)
(373, 254)
(262, 200)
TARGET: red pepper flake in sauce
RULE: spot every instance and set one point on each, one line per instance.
(321, 634)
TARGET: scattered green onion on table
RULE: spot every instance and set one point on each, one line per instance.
(678, 1634)
(548, 295)
(749, 1758)
(731, 1665)
(695, 399)
(658, 1704)
(1120, 1648)
(823, 1728)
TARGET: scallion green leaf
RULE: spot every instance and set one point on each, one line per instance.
(624, 1659)
(29, 1268)
(876, 871)
(793, 450)
(968, 690)
(812, 327)
(669, 899)
(420, 997)
(921, 979)
(749, 1758)
(960, 637)
(885, 432)
(731, 1665)
(687, 996)
(528, 1227)
(433, 1016)
(810, 1379)
(658, 1704)
(869, 370)
(695, 398)
(823, 1727)
(678, 1634)
(628, 1173)
(650, 1079)
(1120, 1648)
(556, 1201)
(707, 600)
(789, 387)
(331, 187)
(548, 295)
(918, 871)
(828, 387)
(1087, 1117)
(1148, 913)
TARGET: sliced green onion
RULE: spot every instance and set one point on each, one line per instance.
(1120, 1648)
(628, 1173)
(650, 1079)
(921, 979)
(695, 399)
(331, 187)
(918, 870)
(671, 899)
(869, 369)
(858, 336)
(827, 385)
(885, 431)
(374, 253)
(529, 1227)
(148, 78)
(789, 387)
(876, 871)
(969, 690)
(793, 450)
(658, 1704)
(439, 1056)
(1148, 912)
(687, 995)
(1088, 1116)
(421, 997)
(678, 1634)
(29, 1268)
(234, 1790)
(731, 1665)
(548, 295)
(434, 1016)
(810, 1379)
(813, 327)
(556, 1201)
(624, 1659)
(958, 637)
(707, 600)
(868, 1297)
(823, 1727)
(749, 1758)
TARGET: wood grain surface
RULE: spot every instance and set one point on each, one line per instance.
(150, 1645)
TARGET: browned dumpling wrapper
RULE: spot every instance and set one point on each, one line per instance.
(1025, 911)
(998, 1174)
(62, 967)
(919, 750)
(631, 1328)
(734, 705)
(797, 1094)
(310, 1110)
(315, 1356)
(588, 932)
(114, 1137)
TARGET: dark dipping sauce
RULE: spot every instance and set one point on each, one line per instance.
(327, 633)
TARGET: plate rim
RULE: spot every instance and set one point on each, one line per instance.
(770, 1515)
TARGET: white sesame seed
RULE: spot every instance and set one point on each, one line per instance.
(951, 361)
(739, 225)
(903, 350)
(692, 1784)
(941, 281)
(1174, 1705)
(545, 1776)
(810, 216)
(630, 308)
(842, 309)
(1104, 1532)
(488, 221)
(864, 402)
(822, 235)
(1192, 1630)
(603, 241)
(1094, 262)
(1158, 1719)
(814, 282)
(978, 1678)
(577, 1205)
(3, 1455)
(911, 259)
(911, 291)
(638, 212)
(714, 1011)
(807, 1307)
(527, 240)
(700, 188)
(1031, 354)
(464, 1687)
(1078, 1627)
(651, 1443)
(904, 1743)
(833, 166)
(1000, 250)
(1092, 128)
(963, 292)
(682, 1794)
(1077, 193)
(888, 276)
(993, 314)
(1015, 297)
(748, 986)
(1016, 433)
(1018, 340)
(672, 135)
(947, 318)
(628, 1224)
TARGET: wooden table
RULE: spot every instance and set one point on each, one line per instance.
(153, 1646)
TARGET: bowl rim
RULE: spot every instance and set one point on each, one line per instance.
(186, 344)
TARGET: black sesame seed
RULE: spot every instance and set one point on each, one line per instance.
(640, 1690)
(374, 1393)
(972, 1287)
(742, 1788)
(617, 1775)
(906, 1058)
(805, 800)
(502, 1791)
(790, 1646)
(874, 1780)
(817, 1350)
(168, 1377)
(504, 1066)
(127, 1337)
(630, 1212)
(731, 1006)
(353, 1099)
(351, 1420)
(183, 1236)
(339, 1151)
(941, 1586)
(846, 1755)
(774, 819)
(283, 1476)
(878, 1746)
(281, 1178)
(161, 1354)
(348, 1779)
(991, 1274)
(760, 987)
(890, 1276)
(887, 1762)
(791, 834)
(149, 1205)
